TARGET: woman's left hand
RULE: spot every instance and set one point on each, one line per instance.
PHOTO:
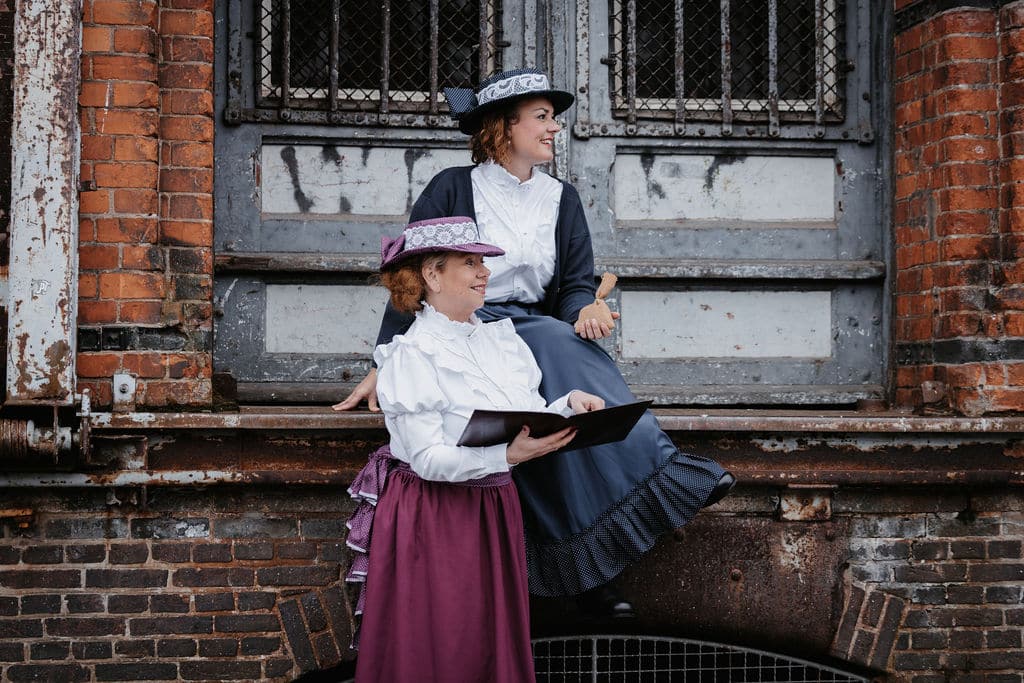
(592, 329)
(582, 402)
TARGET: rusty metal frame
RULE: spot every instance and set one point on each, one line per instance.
(774, 450)
(681, 420)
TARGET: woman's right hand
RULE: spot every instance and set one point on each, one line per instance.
(365, 390)
(524, 447)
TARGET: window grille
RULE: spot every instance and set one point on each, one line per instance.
(766, 61)
(387, 56)
(650, 659)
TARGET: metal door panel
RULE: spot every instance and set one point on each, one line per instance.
(706, 220)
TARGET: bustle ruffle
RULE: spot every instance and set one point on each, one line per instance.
(366, 489)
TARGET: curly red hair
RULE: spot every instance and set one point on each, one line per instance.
(406, 283)
(491, 142)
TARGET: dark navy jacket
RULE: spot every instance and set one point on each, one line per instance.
(450, 193)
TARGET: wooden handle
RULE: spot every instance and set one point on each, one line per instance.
(608, 281)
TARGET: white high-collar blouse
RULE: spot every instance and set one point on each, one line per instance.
(520, 218)
(430, 379)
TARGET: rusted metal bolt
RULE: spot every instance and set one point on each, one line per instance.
(122, 388)
(735, 575)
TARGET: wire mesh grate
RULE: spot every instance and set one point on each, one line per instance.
(757, 59)
(648, 659)
(381, 56)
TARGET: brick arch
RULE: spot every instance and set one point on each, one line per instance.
(318, 625)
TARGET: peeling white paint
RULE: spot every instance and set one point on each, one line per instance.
(731, 324)
(45, 140)
(679, 187)
(346, 318)
(326, 179)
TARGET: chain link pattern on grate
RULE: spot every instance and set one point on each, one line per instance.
(360, 37)
(749, 51)
(648, 659)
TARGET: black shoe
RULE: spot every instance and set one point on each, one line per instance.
(604, 602)
(721, 489)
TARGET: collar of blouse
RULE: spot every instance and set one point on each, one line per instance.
(439, 324)
(497, 175)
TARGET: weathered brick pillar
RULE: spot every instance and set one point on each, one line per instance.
(1009, 271)
(146, 258)
(959, 340)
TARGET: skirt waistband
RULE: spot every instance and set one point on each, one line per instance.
(488, 481)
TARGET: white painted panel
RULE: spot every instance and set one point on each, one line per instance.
(675, 187)
(726, 324)
(327, 179)
(331, 319)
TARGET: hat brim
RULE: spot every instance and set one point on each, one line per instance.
(469, 123)
(471, 248)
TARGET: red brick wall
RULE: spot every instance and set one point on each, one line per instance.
(146, 262)
(192, 586)
(959, 314)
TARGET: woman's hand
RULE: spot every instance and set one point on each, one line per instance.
(582, 402)
(592, 329)
(524, 447)
(365, 390)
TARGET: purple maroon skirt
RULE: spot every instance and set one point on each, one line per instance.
(445, 596)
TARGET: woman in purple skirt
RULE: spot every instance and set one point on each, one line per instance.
(446, 595)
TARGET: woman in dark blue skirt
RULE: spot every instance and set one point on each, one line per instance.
(587, 513)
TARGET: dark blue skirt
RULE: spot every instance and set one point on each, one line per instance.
(588, 513)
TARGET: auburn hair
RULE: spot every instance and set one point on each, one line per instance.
(406, 283)
(491, 142)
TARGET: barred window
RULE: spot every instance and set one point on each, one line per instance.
(743, 60)
(378, 56)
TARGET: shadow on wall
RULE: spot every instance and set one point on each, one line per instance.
(343, 673)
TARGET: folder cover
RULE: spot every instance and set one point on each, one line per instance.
(490, 427)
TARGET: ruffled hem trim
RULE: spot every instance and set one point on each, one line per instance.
(366, 488)
(669, 498)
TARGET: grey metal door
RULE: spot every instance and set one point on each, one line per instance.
(728, 158)
(331, 125)
(741, 210)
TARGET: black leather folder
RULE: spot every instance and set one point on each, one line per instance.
(490, 427)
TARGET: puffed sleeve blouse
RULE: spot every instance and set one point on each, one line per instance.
(430, 380)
